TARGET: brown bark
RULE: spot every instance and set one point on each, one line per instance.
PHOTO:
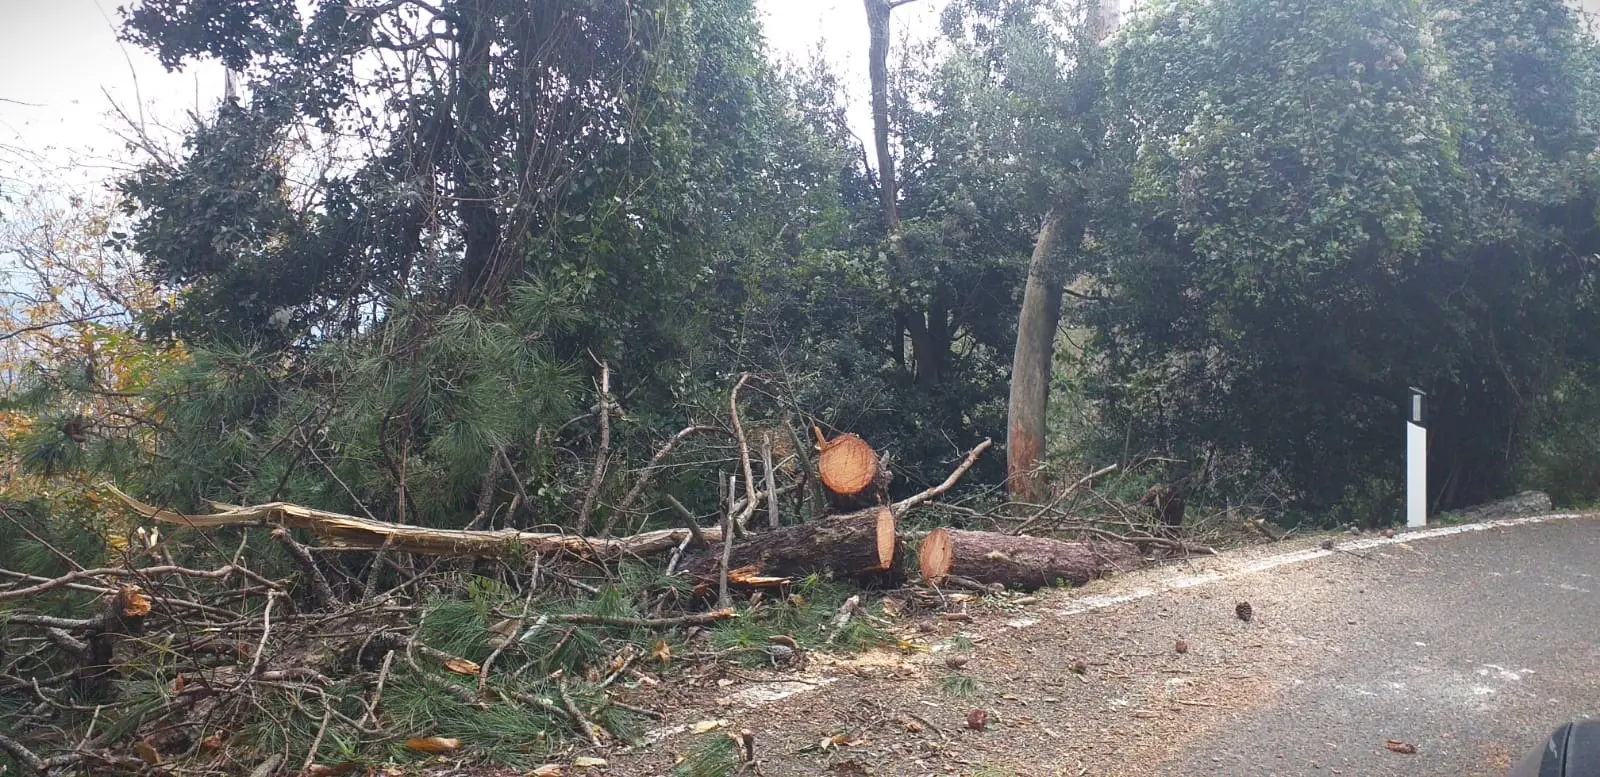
(1021, 562)
(844, 547)
(1031, 363)
(349, 532)
(926, 361)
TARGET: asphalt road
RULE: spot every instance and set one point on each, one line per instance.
(1471, 647)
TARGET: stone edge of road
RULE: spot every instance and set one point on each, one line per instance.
(1078, 605)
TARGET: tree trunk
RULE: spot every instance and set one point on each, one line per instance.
(481, 274)
(1031, 363)
(844, 547)
(1021, 562)
(926, 363)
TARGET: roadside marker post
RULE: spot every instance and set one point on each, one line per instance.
(1417, 461)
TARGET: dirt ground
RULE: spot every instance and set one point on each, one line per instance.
(1079, 682)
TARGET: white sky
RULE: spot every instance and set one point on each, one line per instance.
(62, 71)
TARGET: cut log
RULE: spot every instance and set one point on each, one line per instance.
(844, 547)
(1025, 563)
(850, 471)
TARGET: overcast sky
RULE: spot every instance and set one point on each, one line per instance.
(62, 70)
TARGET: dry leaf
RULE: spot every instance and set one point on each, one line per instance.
(1403, 748)
(462, 666)
(959, 617)
(785, 640)
(955, 662)
(433, 744)
(323, 770)
(547, 770)
(588, 762)
(838, 740)
(211, 743)
(705, 726)
(147, 752)
(135, 602)
(661, 652)
(912, 726)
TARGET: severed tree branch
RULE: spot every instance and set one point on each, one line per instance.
(597, 478)
(901, 507)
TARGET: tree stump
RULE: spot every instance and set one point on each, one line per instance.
(1023, 562)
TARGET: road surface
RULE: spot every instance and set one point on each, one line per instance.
(1472, 649)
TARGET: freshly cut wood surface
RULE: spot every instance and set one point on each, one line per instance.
(846, 464)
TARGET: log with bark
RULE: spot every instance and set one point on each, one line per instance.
(1022, 562)
(842, 547)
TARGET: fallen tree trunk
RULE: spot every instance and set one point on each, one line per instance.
(843, 547)
(1020, 562)
(349, 532)
(862, 547)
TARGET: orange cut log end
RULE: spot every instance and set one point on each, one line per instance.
(886, 539)
(936, 556)
(847, 465)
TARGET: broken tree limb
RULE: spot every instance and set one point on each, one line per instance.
(909, 502)
(1021, 562)
(598, 476)
(349, 532)
(647, 475)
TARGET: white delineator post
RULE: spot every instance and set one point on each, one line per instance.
(1416, 462)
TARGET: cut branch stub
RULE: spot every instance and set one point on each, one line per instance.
(847, 464)
(936, 556)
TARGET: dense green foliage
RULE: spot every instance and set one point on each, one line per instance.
(1325, 203)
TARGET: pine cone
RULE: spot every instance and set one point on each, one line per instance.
(1243, 611)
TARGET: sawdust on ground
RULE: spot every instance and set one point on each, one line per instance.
(1133, 701)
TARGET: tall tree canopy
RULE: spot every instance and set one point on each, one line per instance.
(1328, 202)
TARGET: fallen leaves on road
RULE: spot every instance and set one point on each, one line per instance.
(1403, 748)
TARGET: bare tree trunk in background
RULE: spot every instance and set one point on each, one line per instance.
(926, 363)
(1031, 364)
(1034, 355)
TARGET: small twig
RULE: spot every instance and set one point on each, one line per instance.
(727, 554)
(843, 617)
(31, 761)
(266, 630)
(321, 592)
(1089, 478)
(316, 742)
(578, 717)
(516, 628)
(90, 574)
(688, 520)
(677, 555)
(651, 714)
(648, 474)
(772, 486)
(598, 476)
(696, 619)
(627, 663)
(377, 693)
(744, 453)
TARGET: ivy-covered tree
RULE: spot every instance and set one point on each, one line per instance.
(1328, 202)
